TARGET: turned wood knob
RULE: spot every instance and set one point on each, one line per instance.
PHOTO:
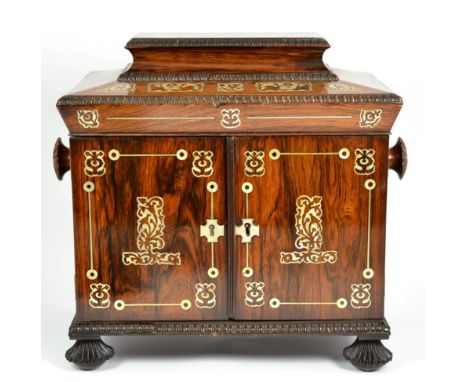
(61, 159)
(397, 158)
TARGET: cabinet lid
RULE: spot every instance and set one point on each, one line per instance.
(191, 72)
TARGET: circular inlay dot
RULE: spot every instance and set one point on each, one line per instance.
(275, 303)
(114, 154)
(213, 272)
(341, 303)
(185, 304)
(368, 273)
(182, 154)
(247, 187)
(91, 274)
(119, 305)
(274, 154)
(369, 184)
(88, 186)
(212, 187)
(344, 153)
(247, 272)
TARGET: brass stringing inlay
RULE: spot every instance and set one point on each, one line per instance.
(202, 165)
(150, 228)
(91, 273)
(99, 296)
(94, 163)
(223, 87)
(275, 154)
(89, 119)
(364, 163)
(370, 118)
(254, 164)
(230, 118)
(175, 87)
(309, 234)
(212, 230)
(275, 303)
(205, 296)
(369, 185)
(254, 294)
(283, 86)
(115, 155)
(121, 305)
(361, 296)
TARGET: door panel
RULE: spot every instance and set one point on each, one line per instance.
(313, 209)
(149, 222)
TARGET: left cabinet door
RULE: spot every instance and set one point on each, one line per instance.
(149, 222)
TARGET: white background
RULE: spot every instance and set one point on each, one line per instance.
(416, 48)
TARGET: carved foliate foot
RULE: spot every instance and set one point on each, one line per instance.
(89, 354)
(367, 355)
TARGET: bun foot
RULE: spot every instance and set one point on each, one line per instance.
(367, 355)
(89, 354)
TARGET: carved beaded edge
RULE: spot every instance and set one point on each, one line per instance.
(377, 328)
(228, 99)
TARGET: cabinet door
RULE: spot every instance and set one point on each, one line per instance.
(149, 218)
(310, 215)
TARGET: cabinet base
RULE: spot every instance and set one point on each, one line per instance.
(366, 353)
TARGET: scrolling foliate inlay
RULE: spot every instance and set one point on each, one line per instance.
(94, 163)
(175, 87)
(230, 118)
(202, 165)
(254, 294)
(283, 86)
(365, 162)
(150, 230)
(254, 164)
(99, 296)
(370, 118)
(224, 87)
(120, 87)
(309, 234)
(205, 295)
(89, 119)
(361, 296)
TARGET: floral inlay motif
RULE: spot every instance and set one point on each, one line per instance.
(205, 296)
(99, 296)
(230, 87)
(94, 163)
(202, 165)
(309, 234)
(370, 118)
(230, 118)
(254, 163)
(283, 86)
(339, 87)
(89, 119)
(254, 294)
(360, 296)
(175, 86)
(150, 230)
(364, 163)
(120, 87)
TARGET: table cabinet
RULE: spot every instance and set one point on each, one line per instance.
(229, 186)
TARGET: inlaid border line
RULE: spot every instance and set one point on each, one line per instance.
(343, 153)
(121, 305)
(161, 118)
(91, 273)
(369, 185)
(115, 154)
(303, 117)
(341, 303)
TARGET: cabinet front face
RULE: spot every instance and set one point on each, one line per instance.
(149, 217)
(310, 215)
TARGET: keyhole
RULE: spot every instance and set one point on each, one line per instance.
(247, 229)
(211, 227)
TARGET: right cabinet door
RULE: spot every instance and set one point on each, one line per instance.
(310, 227)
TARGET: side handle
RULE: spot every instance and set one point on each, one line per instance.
(61, 159)
(398, 158)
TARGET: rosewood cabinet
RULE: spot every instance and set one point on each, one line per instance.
(229, 186)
